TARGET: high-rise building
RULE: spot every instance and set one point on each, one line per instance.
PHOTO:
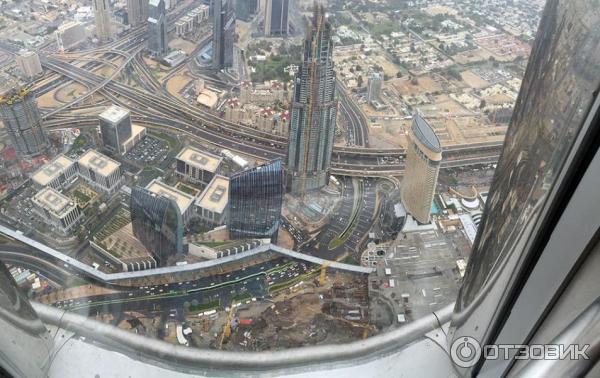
(157, 223)
(244, 10)
(158, 41)
(313, 111)
(255, 199)
(115, 126)
(374, 87)
(423, 158)
(223, 33)
(102, 17)
(22, 120)
(137, 12)
(29, 63)
(277, 17)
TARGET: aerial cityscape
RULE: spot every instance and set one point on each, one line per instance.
(253, 175)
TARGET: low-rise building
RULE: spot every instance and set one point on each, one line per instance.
(263, 94)
(57, 174)
(197, 166)
(57, 210)
(69, 35)
(175, 58)
(212, 203)
(100, 171)
(184, 201)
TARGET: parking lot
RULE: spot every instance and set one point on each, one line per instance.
(149, 151)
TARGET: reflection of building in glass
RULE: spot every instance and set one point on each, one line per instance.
(57, 210)
(157, 223)
(223, 33)
(137, 12)
(423, 158)
(56, 174)
(118, 134)
(100, 171)
(158, 42)
(22, 120)
(276, 17)
(197, 166)
(255, 198)
(313, 111)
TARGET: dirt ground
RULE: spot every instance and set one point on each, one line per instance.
(426, 84)
(472, 56)
(176, 83)
(473, 80)
(182, 44)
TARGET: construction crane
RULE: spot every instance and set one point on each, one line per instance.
(227, 326)
(323, 273)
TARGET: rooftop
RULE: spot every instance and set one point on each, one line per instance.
(53, 201)
(114, 114)
(215, 196)
(424, 132)
(199, 159)
(48, 172)
(182, 199)
(101, 164)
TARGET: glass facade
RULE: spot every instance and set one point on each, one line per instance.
(156, 222)
(255, 200)
(276, 17)
(223, 35)
(157, 28)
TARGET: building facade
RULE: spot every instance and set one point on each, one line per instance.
(197, 166)
(100, 171)
(102, 17)
(255, 200)
(137, 12)
(223, 33)
(423, 158)
(277, 17)
(157, 223)
(158, 41)
(29, 64)
(212, 203)
(57, 174)
(22, 120)
(115, 126)
(69, 35)
(57, 210)
(313, 111)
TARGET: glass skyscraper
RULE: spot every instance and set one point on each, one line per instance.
(313, 111)
(157, 223)
(276, 17)
(223, 33)
(158, 42)
(255, 199)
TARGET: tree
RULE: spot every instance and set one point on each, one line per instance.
(482, 104)
(359, 80)
(414, 81)
(399, 74)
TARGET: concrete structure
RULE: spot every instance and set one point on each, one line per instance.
(263, 94)
(103, 19)
(118, 134)
(57, 174)
(197, 166)
(22, 121)
(175, 58)
(57, 210)
(204, 252)
(223, 32)
(158, 41)
(423, 158)
(137, 12)
(277, 17)
(183, 200)
(100, 171)
(29, 64)
(374, 87)
(69, 35)
(212, 203)
(313, 111)
(184, 26)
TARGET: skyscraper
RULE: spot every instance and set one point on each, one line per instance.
(22, 120)
(255, 199)
(313, 111)
(157, 223)
(223, 32)
(244, 10)
(423, 158)
(158, 42)
(276, 17)
(29, 63)
(115, 126)
(137, 12)
(102, 17)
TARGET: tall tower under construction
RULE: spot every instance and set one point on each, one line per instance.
(313, 111)
(22, 120)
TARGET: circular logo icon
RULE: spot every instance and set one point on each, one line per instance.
(465, 351)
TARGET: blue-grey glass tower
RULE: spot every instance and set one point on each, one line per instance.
(313, 111)
(158, 42)
(157, 223)
(22, 121)
(223, 33)
(255, 198)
